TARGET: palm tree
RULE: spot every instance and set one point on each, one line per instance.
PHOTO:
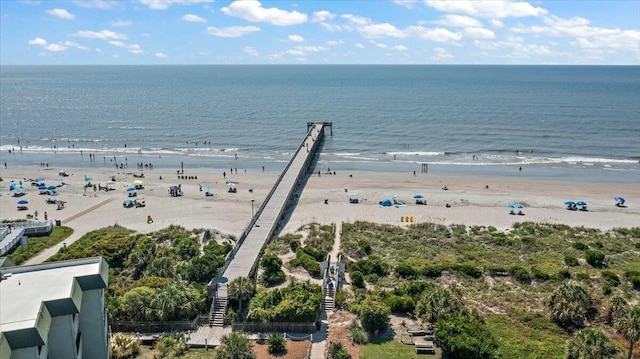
(437, 303)
(617, 309)
(235, 346)
(569, 304)
(591, 343)
(626, 321)
(241, 288)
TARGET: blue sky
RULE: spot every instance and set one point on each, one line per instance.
(85, 32)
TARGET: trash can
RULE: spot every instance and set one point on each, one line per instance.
(58, 222)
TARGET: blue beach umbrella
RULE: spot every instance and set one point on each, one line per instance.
(417, 196)
(23, 201)
(510, 205)
(39, 179)
(88, 179)
(52, 187)
(519, 206)
(581, 203)
(131, 189)
(569, 203)
(53, 194)
(386, 203)
(353, 194)
(42, 186)
(207, 188)
(619, 200)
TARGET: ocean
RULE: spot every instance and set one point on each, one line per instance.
(565, 122)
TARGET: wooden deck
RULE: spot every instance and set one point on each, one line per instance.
(270, 213)
(210, 336)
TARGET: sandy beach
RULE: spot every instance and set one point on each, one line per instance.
(471, 202)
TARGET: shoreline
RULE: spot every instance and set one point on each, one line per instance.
(471, 203)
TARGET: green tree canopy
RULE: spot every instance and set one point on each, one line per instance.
(436, 303)
(235, 346)
(465, 336)
(590, 343)
(569, 304)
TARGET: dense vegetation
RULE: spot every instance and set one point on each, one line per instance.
(37, 244)
(157, 276)
(297, 302)
(520, 293)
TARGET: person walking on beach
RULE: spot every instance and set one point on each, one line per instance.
(46, 217)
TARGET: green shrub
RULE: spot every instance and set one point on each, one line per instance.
(606, 289)
(583, 276)
(277, 344)
(171, 347)
(273, 274)
(400, 304)
(338, 351)
(538, 274)
(372, 265)
(357, 279)
(594, 257)
(571, 260)
(520, 274)
(469, 270)
(304, 260)
(611, 278)
(564, 273)
(365, 246)
(581, 246)
(406, 270)
(634, 278)
(432, 271)
(230, 316)
(498, 271)
(359, 336)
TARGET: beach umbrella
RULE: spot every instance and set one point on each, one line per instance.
(39, 179)
(231, 184)
(53, 194)
(52, 187)
(42, 186)
(417, 196)
(518, 206)
(353, 194)
(23, 201)
(581, 203)
(13, 186)
(386, 203)
(620, 200)
(88, 179)
(138, 182)
(569, 203)
(207, 188)
(510, 205)
(131, 189)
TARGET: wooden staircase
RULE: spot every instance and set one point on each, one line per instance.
(329, 302)
(218, 307)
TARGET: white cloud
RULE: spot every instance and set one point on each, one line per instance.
(134, 48)
(160, 55)
(37, 41)
(310, 48)
(586, 36)
(165, 4)
(250, 50)
(121, 23)
(54, 48)
(296, 38)
(437, 34)
(400, 48)
(192, 18)
(491, 9)
(458, 21)
(322, 16)
(335, 42)
(103, 35)
(73, 44)
(96, 4)
(380, 30)
(406, 3)
(356, 20)
(232, 31)
(479, 33)
(381, 45)
(496, 23)
(61, 14)
(360, 46)
(252, 10)
(441, 54)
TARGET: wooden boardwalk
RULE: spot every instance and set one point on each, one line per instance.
(268, 216)
(270, 213)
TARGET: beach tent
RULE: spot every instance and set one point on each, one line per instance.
(386, 203)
